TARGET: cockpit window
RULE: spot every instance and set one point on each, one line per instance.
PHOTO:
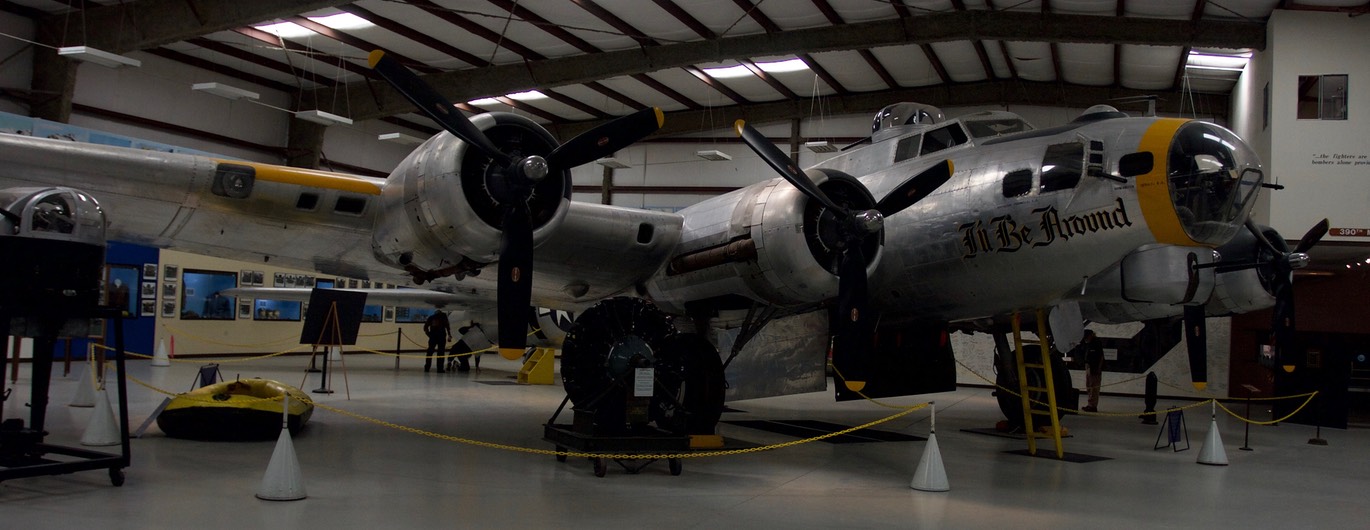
(907, 148)
(1018, 183)
(1062, 166)
(939, 139)
(1213, 178)
(53, 214)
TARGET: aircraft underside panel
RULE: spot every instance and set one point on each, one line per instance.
(908, 360)
(788, 356)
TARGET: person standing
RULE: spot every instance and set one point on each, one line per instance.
(439, 331)
(1093, 351)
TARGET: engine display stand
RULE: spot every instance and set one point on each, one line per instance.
(639, 439)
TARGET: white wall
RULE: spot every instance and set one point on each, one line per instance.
(1308, 43)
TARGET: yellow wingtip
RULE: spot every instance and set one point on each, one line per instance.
(855, 386)
(511, 354)
(374, 57)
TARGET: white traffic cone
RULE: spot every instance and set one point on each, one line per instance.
(85, 391)
(1213, 453)
(335, 353)
(931, 475)
(160, 357)
(283, 480)
(102, 429)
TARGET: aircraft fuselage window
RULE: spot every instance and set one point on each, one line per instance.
(1018, 183)
(939, 139)
(350, 205)
(988, 128)
(907, 148)
(1062, 166)
(307, 201)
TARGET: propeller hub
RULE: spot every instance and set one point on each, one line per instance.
(868, 221)
(534, 168)
(1298, 260)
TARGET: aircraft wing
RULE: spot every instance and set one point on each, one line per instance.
(390, 297)
(327, 222)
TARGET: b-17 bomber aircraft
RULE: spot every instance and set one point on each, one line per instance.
(928, 226)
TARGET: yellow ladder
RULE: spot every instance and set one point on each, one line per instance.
(537, 370)
(1025, 389)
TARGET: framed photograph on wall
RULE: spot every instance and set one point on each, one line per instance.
(244, 308)
(278, 280)
(148, 308)
(389, 314)
(245, 278)
(150, 271)
(168, 309)
(168, 290)
(257, 278)
(170, 272)
(149, 290)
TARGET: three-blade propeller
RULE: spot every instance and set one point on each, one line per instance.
(1281, 265)
(854, 324)
(513, 184)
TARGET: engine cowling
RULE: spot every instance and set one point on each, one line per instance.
(438, 216)
(767, 243)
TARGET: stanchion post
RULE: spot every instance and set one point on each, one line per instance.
(399, 334)
(1246, 438)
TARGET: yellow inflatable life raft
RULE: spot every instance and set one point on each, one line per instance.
(246, 409)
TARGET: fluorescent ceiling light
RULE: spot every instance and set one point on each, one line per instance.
(611, 162)
(224, 91)
(342, 21)
(713, 154)
(1218, 62)
(517, 96)
(773, 67)
(285, 30)
(321, 117)
(821, 146)
(526, 96)
(100, 57)
(400, 138)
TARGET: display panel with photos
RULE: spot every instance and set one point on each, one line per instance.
(201, 297)
(413, 314)
(276, 310)
(119, 288)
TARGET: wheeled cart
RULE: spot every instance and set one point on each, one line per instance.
(22, 450)
(639, 440)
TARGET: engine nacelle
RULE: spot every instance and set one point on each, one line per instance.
(764, 243)
(437, 214)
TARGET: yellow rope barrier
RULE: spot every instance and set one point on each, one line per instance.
(177, 331)
(202, 358)
(577, 454)
(1210, 399)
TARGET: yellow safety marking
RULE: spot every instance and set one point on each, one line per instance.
(1153, 189)
(374, 57)
(511, 353)
(311, 178)
(660, 117)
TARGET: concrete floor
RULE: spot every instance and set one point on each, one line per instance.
(362, 475)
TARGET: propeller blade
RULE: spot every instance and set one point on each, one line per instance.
(1282, 324)
(782, 164)
(1313, 236)
(915, 189)
(603, 140)
(1260, 238)
(1196, 338)
(515, 285)
(855, 324)
(431, 103)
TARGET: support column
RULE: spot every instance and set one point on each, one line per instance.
(606, 190)
(54, 83)
(304, 144)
